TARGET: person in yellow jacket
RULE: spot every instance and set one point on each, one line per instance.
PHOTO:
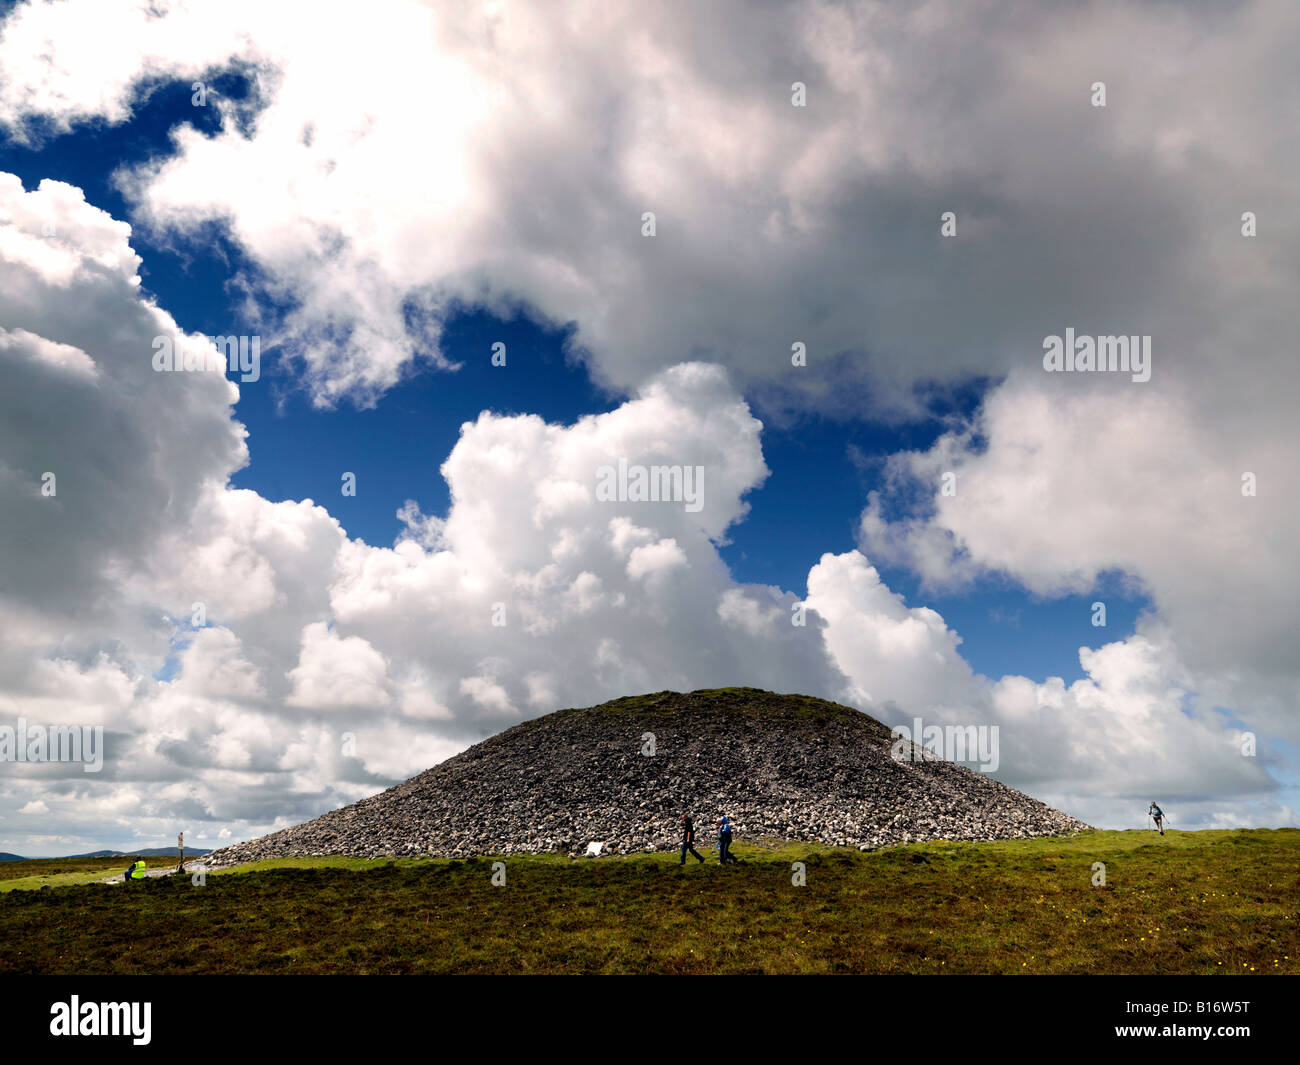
(135, 871)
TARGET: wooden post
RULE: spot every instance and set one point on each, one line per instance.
(180, 850)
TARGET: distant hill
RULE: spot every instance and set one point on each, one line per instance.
(785, 767)
(148, 852)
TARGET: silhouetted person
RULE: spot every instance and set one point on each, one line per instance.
(724, 841)
(688, 840)
(1159, 815)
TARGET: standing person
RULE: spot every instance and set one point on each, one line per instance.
(1159, 815)
(688, 840)
(135, 871)
(724, 841)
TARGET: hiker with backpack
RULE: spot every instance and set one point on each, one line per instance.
(1159, 816)
(724, 841)
(688, 840)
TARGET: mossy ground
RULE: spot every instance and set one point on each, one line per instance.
(1190, 902)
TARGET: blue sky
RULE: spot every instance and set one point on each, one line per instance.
(822, 468)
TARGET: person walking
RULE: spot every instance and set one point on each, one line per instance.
(724, 841)
(1159, 816)
(688, 840)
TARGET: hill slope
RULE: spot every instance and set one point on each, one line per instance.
(783, 766)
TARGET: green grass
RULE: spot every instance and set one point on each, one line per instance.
(1191, 902)
(59, 872)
